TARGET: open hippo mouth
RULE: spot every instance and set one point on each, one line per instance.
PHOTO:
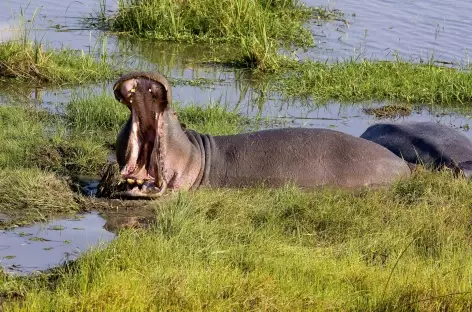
(139, 146)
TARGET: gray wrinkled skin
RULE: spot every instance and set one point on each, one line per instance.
(428, 143)
(158, 151)
(307, 157)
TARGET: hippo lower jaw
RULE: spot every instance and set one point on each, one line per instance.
(147, 190)
(140, 189)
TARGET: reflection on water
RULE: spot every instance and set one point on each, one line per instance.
(43, 246)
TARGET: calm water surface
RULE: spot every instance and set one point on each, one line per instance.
(378, 29)
(42, 246)
(412, 28)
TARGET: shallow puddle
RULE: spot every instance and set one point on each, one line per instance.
(39, 247)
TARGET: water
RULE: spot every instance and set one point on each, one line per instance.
(39, 247)
(416, 29)
(378, 29)
(56, 22)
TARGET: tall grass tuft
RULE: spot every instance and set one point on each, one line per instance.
(22, 133)
(24, 59)
(28, 195)
(256, 28)
(30, 61)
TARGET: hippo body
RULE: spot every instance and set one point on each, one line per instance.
(428, 143)
(154, 152)
(307, 157)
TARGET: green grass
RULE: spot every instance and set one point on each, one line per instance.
(378, 80)
(21, 134)
(212, 21)
(405, 248)
(28, 195)
(26, 61)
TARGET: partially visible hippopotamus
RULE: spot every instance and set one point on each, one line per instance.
(155, 153)
(428, 143)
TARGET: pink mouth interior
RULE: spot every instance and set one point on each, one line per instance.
(139, 172)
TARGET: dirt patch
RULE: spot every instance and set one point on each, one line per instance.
(121, 214)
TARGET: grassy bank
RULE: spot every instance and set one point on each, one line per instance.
(406, 248)
(26, 61)
(28, 195)
(352, 81)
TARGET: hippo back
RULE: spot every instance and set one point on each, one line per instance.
(428, 143)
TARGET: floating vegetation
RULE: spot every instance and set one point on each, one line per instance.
(388, 111)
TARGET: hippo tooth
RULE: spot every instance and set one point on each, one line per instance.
(131, 101)
(132, 90)
(150, 90)
(130, 181)
(140, 182)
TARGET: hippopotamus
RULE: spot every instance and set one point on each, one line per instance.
(155, 152)
(428, 143)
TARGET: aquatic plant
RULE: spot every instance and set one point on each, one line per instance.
(31, 62)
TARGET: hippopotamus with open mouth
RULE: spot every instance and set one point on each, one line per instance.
(428, 143)
(155, 153)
